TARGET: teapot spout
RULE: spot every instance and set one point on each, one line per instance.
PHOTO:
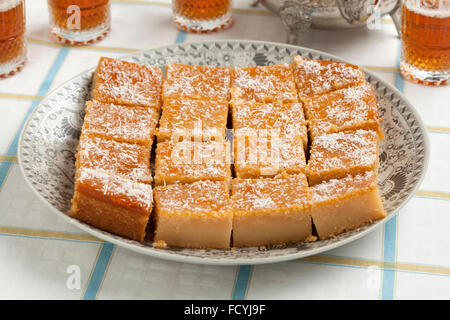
(396, 15)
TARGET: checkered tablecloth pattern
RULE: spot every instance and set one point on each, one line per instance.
(408, 258)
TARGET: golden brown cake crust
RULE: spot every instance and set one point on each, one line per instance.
(263, 84)
(190, 161)
(127, 83)
(251, 196)
(258, 153)
(314, 77)
(196, 82)
(287, 117)
(120, 123)
(208, 198)
(338, 154)
(125, 159)
(112, 203)
(188, 118)
(351, 108)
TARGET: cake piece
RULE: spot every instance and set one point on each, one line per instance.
(196, 82)
(112, 203)
(263, 84)
(287, 117)
(196, 215)
(266, 153)
(337, 155)
(131, 161)
(271, 211)
(314, 77)
(190, 161)
(350, 108)
(121, 123)
(127, 83)
(184, 119)
(340, 205)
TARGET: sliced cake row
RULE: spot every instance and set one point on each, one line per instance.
(264, 211)
(112, 172)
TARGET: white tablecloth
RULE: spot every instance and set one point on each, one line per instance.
(40, 253)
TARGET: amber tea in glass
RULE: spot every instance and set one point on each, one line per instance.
(79, 22)
(12, 37)
(202, 16)
(426, 41)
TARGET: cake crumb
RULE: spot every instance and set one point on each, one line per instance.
(161, 244)
(311, 239)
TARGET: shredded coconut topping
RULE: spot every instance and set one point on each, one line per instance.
(343, 150)
(116, 188)
(264, 84)
(288, 118)
(130, 124)
(187, 159)
(127, 83)
(352, 104)
(315, 77)
(126, 159)
(269, 153)
(201, 196)
(335, 188)
(186, 115)
(270, 193)
(349, 108)
(196, 82)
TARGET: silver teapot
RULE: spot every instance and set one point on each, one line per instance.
(298, 16)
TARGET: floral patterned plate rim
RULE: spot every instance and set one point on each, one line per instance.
(48, 142)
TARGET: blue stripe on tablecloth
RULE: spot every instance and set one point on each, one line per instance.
(399, 82)
(99, 271)
(181, 37)
(242, 281)
(43, 89)
(4, 169)
(389, 255)
(390, 228)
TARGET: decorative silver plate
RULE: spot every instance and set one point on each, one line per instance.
(49, 139)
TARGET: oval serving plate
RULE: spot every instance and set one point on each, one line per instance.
(49, 139)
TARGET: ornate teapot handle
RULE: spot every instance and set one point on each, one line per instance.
(354, 10)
